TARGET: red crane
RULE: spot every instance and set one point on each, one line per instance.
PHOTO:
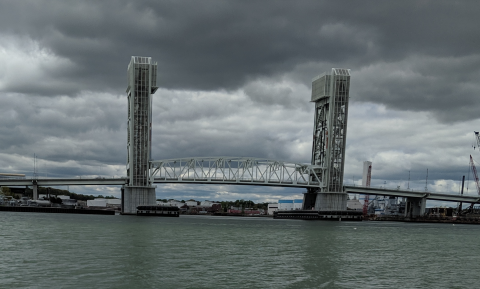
(367, 184)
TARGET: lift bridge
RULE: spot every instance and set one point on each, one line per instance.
(322, 178)
(235, 171)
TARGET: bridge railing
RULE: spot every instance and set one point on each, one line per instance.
(235, 170)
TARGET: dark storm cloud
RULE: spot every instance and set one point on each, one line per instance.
(446, 87)
(193, 124)
(235, 80)
(88, 128)
(216, 44)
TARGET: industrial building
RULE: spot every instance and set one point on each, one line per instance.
(272, 207)
(288, 205)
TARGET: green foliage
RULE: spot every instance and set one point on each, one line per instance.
(55, 200)
(244, 204)
(6, 191)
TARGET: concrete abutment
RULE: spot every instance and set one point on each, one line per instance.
(415, 207)
(132, 197)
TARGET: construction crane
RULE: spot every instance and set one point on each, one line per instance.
(367, 184)
(475, 175)
(474, 169)
(477, 139)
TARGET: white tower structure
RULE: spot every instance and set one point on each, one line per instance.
(330, 93)
(142, 83)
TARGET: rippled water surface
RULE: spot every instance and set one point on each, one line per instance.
(80, 251)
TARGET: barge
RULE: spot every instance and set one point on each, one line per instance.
(343, 215)
(158, 211)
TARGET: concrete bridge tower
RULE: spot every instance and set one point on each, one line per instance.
(142, 83)
(330, 93)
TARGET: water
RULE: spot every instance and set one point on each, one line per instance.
(78, 251)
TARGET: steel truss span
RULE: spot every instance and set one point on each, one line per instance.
(235, 171)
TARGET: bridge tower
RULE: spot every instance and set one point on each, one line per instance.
(330, 93)
(142, 83)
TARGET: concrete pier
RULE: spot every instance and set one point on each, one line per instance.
(331, 201)
(415, 207)
(35, 190)
(132, 197)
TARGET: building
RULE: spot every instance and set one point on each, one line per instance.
(97, 203)
(171, 203)
(142, 83)
(114, 203)
(191, 203)
(273, 207)
(69, 202)
(208, 203)
(354, 204)
(288, 205)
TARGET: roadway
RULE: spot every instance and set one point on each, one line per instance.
(412, 194)
(348, 189)
(62, 182)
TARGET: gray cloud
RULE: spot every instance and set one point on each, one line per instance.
(235, 80)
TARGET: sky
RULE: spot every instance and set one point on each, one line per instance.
(235, 80)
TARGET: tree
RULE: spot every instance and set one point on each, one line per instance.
(55, 200)
(6, 191)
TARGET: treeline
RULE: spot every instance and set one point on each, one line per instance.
(56, 192)
(238, 203)
(244, 204)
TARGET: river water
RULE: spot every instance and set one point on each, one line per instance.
(79, 251)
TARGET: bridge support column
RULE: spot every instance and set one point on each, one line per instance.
(35, 191)
(132, 197)
(331, 201)
(415, 207)
(309, 199)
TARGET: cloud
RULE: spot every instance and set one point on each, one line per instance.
(31, 69)
(441, 86)
(235, 80)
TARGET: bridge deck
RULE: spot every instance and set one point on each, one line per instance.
(414, 194)
(62, 182)
(252, 182)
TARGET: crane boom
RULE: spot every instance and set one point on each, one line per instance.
(474, 169)
(477, 139)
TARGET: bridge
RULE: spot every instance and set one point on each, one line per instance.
(235, 171)
(412, 194)
(323, 178)
(246, 171)
(63, 182)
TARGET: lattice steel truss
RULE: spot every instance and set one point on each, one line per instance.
(330, 92)
(142, 75)
(235, 170)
